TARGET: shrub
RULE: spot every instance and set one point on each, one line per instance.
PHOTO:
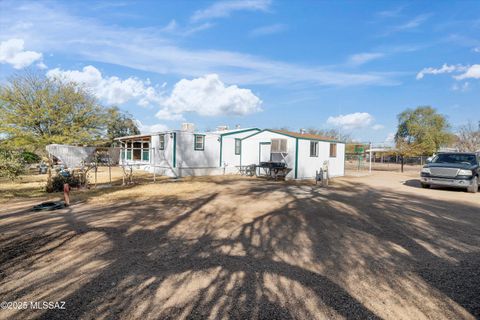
(30, 157)
(59, 181)
(11, 164)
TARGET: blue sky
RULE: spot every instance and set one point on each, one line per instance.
(352, 65)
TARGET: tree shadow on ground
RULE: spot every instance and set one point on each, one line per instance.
(263, 251)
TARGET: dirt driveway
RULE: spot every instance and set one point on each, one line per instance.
(365, 247)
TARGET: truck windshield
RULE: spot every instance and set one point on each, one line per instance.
(455, 158)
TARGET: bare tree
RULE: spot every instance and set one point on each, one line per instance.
(468, 137)
(331, 133)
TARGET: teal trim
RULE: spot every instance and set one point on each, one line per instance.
(240, 146)
(240, 152)
(240, 131)
(221, 147)
(289, 135)
(195, 142)
(296, 158)
(174, 149)
(230, 133)
(316, 149)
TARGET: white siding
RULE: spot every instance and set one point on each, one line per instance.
(162, 160)
(307, 165)
(231, 161)
(197, 162)
(189, 161)
(251, 147)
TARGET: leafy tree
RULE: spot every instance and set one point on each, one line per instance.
(120, 124)
(468, 138)
(11, 163)
(36, 111)
(421, 131)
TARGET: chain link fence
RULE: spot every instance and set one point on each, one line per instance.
(357, 159)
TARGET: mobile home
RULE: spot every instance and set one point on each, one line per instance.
(185, 152)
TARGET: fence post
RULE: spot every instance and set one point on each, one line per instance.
(370, 156)
(154, 167)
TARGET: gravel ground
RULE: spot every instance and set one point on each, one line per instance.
(365, 247)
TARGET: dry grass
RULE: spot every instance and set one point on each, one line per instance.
(234, 247)
(32, 187)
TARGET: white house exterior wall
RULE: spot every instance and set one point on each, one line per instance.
(179, 157)
(191, 162)
(307, 165)
(230, 160)
(251, 148)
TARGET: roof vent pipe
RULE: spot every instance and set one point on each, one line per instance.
(188, 127)
(222, 128)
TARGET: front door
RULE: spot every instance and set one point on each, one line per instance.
(265, 154)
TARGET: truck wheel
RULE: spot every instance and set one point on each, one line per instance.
(425, 185)
(474, 187)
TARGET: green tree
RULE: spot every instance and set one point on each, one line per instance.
(36, 111)
(421, 131)
(120, 124)
(11, 163)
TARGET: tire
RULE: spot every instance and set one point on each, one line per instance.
(474, 187)
(425, 186)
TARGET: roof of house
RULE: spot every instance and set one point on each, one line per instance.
(222, 132)
(304, 135)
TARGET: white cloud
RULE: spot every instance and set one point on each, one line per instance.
(390, 13)
(266, 30)
(165, 114)
(147, 50)
(208, 96)
(351, 121)
(223, 9)
(112, 90)
(413, 23)
(378, 126)
(444, 69)
(146, 128)
(390, 138)
(12, 52)
(472, 72)
(476, 49)
(175, 29)
(461, 87)
(361, 58)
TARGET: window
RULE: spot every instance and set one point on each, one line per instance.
(333, 150)
(238, 146)
(279, 146)
(145, 151)
(161, 145)
(313, 148)
(137, 151)
(199, 142)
